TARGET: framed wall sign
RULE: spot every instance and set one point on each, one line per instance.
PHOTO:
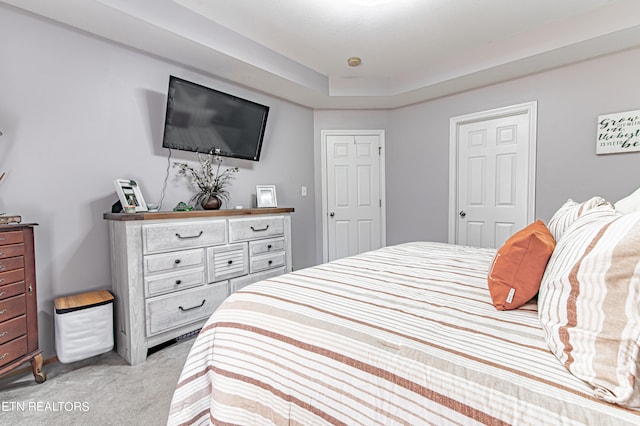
(618, 132)
(129, 194)
(266, 196)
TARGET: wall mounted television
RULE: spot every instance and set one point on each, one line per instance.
(202, 119)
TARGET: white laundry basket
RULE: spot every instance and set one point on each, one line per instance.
(83, 325)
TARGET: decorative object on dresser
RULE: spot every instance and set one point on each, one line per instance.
(130, 195)
(5, 220)
(18, 301)
(209, 180)
(171, 270)
(266, 196)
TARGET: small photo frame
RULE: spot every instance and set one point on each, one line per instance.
(129, 194)
(266, 196)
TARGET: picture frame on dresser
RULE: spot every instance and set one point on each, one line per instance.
(266, 196)
(129, 194)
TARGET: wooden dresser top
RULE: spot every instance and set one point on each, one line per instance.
(196, 213)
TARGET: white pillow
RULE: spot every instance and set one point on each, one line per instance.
(630, 203)
(589, 301)
(572, 210)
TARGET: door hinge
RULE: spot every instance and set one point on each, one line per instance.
(379, 150)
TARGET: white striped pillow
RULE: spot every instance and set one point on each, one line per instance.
(589, 303)
(570, 211)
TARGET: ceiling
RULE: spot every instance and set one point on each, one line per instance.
(411, 50)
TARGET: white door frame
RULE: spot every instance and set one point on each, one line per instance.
(325, 211)
(529, 108)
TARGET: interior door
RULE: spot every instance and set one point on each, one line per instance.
(353, 192)
(494, 178)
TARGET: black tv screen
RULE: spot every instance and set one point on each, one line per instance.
(202, 119)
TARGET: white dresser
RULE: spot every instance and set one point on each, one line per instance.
(171, 270)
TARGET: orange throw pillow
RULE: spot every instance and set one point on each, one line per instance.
(517, 269)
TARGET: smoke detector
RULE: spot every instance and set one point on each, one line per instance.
(354, 61)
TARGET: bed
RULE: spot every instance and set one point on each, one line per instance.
(407, 334)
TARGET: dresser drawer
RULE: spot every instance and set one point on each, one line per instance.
(184, 307)
(12, 250)
(227, 262)
(173, 261)
(171, 236)
(166, 283)
(13, 350)
(268, 261)
(11, 276)
(255, 227)
(13, 328)
(266, 246)
(10, 290)
(12, 307)
(11, 263)
(13, 237)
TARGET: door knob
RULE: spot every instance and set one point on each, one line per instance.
(332, 214)
(462, 213)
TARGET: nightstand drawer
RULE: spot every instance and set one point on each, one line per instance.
(173, 261)
(12, 350)
(12, 307)
(11, 263)
(11, 276)
(266, 246)
(172, 236)
(14, 237)
(258, 227)
(227, 262)
(269, 261)
(12, 250)
(166, 283)
(9, 290)
(184, 307)
(13, 328)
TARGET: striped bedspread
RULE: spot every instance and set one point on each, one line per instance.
(402, 335)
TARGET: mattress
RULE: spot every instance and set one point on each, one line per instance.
(402, 335)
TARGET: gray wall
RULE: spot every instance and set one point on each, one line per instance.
(78, 112)
(569, 101)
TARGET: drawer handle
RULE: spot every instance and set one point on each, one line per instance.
(189, 236)
(269, 247)
(2, 253)
(4, 333)
(2, 312)
(193, 307)
(1, 280)
(229, 262)
(177, 261)
(3, 293)
(1, 267)
(178, 282)
(259, 229)
(270, 262)
(4, 356)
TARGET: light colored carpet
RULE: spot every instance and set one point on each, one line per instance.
(102, 390)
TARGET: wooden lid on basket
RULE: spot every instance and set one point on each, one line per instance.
(82, 301)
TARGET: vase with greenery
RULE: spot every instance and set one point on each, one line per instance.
(211, 183)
